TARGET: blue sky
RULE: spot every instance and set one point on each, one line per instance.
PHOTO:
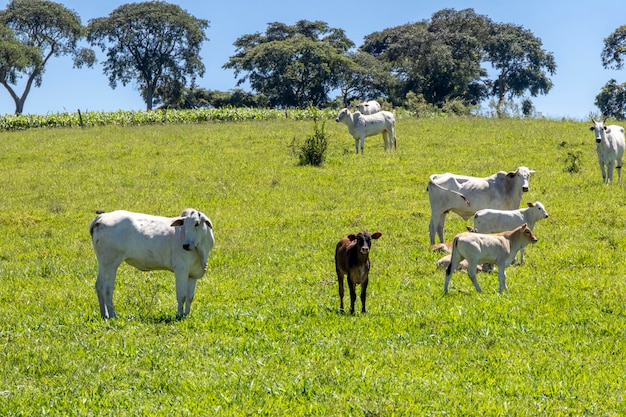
(574, 31)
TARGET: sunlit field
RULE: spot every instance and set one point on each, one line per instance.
(265, 336)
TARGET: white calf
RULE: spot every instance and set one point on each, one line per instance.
(361, 126)
(178, 244)
(369, 107)
(494, 221)
(610, 147)
(480, 248)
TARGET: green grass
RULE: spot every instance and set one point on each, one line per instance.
(264, 336)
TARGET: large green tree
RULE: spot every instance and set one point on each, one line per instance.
(521, 63)
(154, 44)
(612, 100)
(438, 59)
(293, 66)
(45, 29)
(614, 50)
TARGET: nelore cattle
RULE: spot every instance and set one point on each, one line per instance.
(494, 221)
(352, 259)
(361, 126)
(477, 248)
(466, 195)
(610, 148)
(369, 107)
(178, 244)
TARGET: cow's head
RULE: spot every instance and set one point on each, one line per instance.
(540, 208)
(344, 113)
(364, 241)
(528, 236)
(522, 174)
(599, 130)
(195, 226)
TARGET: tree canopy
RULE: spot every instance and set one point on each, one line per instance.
(44, 29)
(292, 65)
(154, 44)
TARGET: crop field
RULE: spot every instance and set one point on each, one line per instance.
(265, 336)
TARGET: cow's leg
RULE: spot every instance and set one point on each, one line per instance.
(182, 291)
(362, 143)
(502, 276)
(356, 145)
(619, 173)
(601, 163)
(191, 292)
(352, 287)
(521, 256)
(452, 266)
(340, 278)
(472, 267)
(363, 295)
(436, 226)
(105, 283)
(385, 138)
(609, 168)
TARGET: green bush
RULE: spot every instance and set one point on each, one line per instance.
(313, 151)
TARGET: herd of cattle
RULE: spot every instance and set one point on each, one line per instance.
(501, 229)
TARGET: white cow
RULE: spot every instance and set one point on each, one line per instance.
(361, 126)
(178, 244)
(369, 107)
(493, 221)
(465, 195)
(610, 147)
(478, 248)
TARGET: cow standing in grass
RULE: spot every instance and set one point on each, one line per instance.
(361, 126)
(610, 148)
(352, 259)
(179, 244)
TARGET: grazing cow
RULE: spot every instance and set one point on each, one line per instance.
(477, 248)
(493, 221)
(610, 148)
(369, 107)
(361, 126)
(352, 259)
(465, 195)
(179, 244)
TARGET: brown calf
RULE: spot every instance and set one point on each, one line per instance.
(352, 259)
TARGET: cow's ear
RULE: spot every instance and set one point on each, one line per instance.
(177, 222)
(352, 237)
(208, 223)
(512, 174)
(592, 128)
(529, 204)
(376, 235)
(607, 130)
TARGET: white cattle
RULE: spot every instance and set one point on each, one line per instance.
(465, 195)
(179, 244)
(493, 221)
(361, 126)
(610, 147)
(369, 107)
(478, 248)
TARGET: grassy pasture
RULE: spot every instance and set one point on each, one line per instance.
(264, 336)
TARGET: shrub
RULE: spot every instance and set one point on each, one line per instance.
(313, 151)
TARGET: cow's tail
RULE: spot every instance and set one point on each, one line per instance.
(431, 182)
(452, 249)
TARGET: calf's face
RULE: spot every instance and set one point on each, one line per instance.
(599, 129)
(195, 225)
(364, 241)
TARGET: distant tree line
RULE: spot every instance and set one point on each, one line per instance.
(454, 60)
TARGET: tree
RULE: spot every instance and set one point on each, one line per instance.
(612, 100)
(293, 66)
(153, 43)
(521, 62)
(44, 28)
(614, 49)
(439, 59)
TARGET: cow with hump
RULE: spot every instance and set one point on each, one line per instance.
(352, 259)
(466, 195)
(478, 248)
(178, 244)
